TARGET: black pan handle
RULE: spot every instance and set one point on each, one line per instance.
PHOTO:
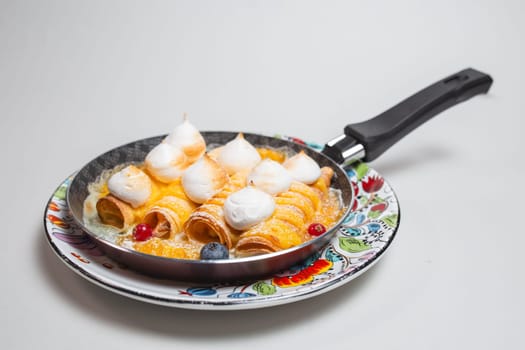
(378, 134)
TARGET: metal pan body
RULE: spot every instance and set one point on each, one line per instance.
(235, 269)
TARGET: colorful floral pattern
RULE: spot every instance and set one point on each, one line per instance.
(361, 240)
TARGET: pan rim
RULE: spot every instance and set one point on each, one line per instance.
(346, 208)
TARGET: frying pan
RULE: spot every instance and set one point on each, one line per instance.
(363, 141)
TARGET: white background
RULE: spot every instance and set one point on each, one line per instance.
(78, 78)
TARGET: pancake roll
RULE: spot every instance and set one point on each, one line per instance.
(287, 227)
(207, 224)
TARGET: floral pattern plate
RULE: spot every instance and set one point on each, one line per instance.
(362, 239)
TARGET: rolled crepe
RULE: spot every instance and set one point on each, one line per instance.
(166, 210)
(112, 211)
(167, 216)
(323, 183)
(207, 224)
(286, 228)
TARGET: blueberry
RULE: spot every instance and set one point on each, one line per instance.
(214, 250)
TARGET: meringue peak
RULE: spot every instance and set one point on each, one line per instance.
(166, 162)
(187, 138)
(247, 207)
(303, 168)
(203, 179)
(270, 177)
(238, 155)
(130, 185)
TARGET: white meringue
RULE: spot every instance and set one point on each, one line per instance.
(270, 177)
(187, 138)
(131, 185)
(247, 207)
(238, 155)
(303, 168)
(166, 162)
(214, 153)
(203, 179)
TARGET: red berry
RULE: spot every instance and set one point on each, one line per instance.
(316, 229)
(142, 232)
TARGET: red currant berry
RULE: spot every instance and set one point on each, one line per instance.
(142, 232)
(316, 229)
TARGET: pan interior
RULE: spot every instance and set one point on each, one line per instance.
(135, 152)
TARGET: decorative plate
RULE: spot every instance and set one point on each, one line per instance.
(362, 239)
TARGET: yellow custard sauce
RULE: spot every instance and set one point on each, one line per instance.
(296, 211)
